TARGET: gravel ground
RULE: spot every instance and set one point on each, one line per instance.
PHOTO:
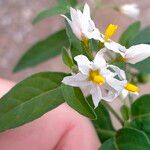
(17, 33)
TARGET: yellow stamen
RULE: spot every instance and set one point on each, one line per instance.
(99, 79)
(96, 77)
(131, 87)
(110, 31)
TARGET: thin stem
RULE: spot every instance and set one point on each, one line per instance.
(107, 132)
(89, 53)
(130, 99)
(113, 112)
(87, 50)
(127, 68)
(129, 78)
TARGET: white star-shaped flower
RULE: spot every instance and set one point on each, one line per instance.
(125, 87)
(96, 77)
(82, 25)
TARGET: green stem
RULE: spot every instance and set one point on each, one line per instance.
(113, 112)
(129, 78)
(130, 99)
(109, 133)
(127, 69)
(89, 53)
(87, 50)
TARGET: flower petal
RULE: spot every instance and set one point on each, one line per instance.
(107, 73)
(111, 95)
(86, 11)
(114, 84)
(92, 32)
(135, 94)
(116, 47)
(73, 14)
(99, 60)
(137, 53)
(124, 93)
(78, 80)
(68, 20)
(75, 26)
(83, 63)
(120, 73)
(96, 94)
(76, 17)
(101, 38)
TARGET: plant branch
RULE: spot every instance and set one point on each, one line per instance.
(113, 112)
(87, 50)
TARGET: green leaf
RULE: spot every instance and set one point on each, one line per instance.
(143, 66)
(140, 111)
(129, 34)
(43, 50)
(108, 145)
(30, 99)
(143, 77)
(74, 97)
(75, 43)
(127, 138)
(143, 37)
(72, 3)
(62, 1)
(67, 59)
(61, 8)
(103, 124)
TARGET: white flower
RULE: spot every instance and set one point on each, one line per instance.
(132, 10)
(135, 54)
(125, 87)
(95, 76)
(105, 38)
(82, 25)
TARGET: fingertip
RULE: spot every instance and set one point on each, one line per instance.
(5, 86)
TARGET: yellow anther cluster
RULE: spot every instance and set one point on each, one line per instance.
(132, 88)
(110, 31)
(96, 77)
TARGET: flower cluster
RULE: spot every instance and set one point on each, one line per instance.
(101, 79)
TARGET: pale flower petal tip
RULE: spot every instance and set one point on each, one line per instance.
(86, 10)
(96, 95)
(137, 53)
(83, 64)
(99, 59)
(131, 10)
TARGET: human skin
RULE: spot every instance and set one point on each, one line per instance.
(60, 129)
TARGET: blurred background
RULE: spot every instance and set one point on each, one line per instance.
(17, 33)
